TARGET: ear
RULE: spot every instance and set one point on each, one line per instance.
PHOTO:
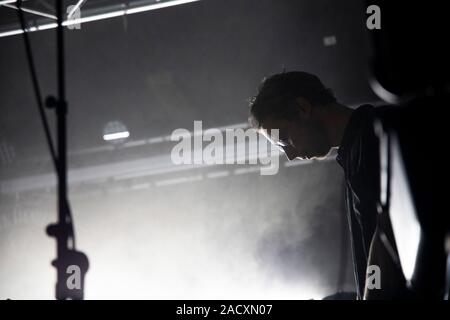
(304, 108)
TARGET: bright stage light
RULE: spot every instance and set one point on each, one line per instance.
(144, 6)
(116, 136)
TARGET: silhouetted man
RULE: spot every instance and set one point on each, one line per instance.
(311, 122)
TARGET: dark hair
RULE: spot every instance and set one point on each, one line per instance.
(276, 96)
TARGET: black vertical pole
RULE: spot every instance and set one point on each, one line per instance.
(71, 265)
(61, 111)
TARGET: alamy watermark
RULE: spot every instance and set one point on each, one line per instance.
(73, 14)
(374, 20)
(241, 147)
(73, 281)
(373, 280)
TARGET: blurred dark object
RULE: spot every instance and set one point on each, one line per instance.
(410, 55)
(410, 69)
(408, 136)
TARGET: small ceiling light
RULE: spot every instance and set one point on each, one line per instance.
(115, 131)
(329, 41)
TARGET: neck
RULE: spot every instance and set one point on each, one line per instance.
(335, 121)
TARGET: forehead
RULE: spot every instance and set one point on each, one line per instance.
(269, 124)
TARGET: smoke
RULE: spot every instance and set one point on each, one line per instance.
(304, 244)
(241, 236)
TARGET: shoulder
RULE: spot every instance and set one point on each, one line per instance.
(361, 145)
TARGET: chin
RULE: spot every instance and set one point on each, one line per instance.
(328, 154)
(322, 156)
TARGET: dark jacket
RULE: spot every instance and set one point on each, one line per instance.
(358, 155)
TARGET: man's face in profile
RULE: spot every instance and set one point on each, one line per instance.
(299, 138)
